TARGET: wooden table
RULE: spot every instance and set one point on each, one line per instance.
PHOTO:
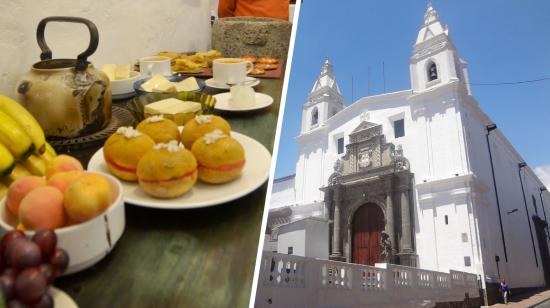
(185, 258)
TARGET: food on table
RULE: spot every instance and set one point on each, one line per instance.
(117, 72)
(7, 162)
(194, 63)
(87, 197)
(242, 96)
(42, 208)
(18, 172)
(250, 58)
(265, 66)
(25, 121)
(62, 180)
(268, 60)
(62, 163)
(160, 84)
(14, 138)
(35, 164)
(30, 267)
(220, 157)
(123, 150)
(174, 109)
(161, 130)
(201, 125)
(257, 71)
(154, 83)
(167, 171)
(3, 190)
(19, 189)
(187, 85)
(187, 65)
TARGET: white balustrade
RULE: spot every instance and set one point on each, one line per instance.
(292, 281)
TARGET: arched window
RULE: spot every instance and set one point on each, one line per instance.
(314, 116)
(432, 71)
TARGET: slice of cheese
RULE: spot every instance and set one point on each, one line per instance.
(122, 72)
(172, 106)
(109, 70)
(153, 83)
(165, 87)
(188, 85)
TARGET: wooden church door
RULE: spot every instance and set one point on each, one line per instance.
(367, 225)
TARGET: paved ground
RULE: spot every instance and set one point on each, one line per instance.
(532, 299)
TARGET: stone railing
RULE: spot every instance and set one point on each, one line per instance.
(292, 281)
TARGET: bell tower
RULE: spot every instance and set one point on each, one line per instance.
(324, 100)
(435, 60)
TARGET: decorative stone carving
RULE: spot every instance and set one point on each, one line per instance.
(338, 166)
(385, 247)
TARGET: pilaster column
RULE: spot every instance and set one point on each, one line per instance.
(406, 236)
(390, 224)
(336, 234)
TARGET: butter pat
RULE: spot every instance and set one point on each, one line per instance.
(155, 82)
(242, 96)
(122, 72)
(172, 106)
(187, 85)
(165, 87)
(109, 70)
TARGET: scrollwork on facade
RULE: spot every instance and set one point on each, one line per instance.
(385, 247)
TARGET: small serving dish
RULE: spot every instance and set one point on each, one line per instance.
(124, 88)
(88, 242)
(173, 78)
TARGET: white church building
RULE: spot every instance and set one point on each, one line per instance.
(420, 177)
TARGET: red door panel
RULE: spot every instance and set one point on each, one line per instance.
(368, 223)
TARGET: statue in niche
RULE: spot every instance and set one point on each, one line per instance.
(364, 159)
(338, 166)
(385, 247)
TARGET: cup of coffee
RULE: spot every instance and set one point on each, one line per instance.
(149, 66)
(230, 70)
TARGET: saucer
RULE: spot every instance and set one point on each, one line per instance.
(223, 102)
(249, 81)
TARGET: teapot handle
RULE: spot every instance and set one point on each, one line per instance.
(81, 62)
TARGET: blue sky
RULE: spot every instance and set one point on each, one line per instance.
(502, 41)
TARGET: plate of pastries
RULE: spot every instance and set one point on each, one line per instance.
(191, 63)
(163, 165)
(262, 64)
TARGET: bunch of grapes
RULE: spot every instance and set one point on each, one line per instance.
(28, 267)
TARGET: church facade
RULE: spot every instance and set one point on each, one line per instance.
(419, 177)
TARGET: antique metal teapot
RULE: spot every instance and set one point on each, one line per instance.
(68, 97)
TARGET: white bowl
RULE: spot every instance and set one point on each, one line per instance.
(88, 242)
(125, 86)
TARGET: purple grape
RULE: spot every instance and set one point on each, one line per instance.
(47, 241)
(11, 246)
(46, 301)
(16, 304)
(25, 254)
(6, 284)
(48, 272)
(59, 261)
(8, 237)
(30, 285)
(10, 272)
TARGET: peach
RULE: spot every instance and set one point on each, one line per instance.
(87, 197)
(62, 180)
(62, 163)
(19, 189)
(42, 208)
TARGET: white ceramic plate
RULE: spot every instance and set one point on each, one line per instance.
(254, 174)
(223, 102)
(249, 81)
(62, 299)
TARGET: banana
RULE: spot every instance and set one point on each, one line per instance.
(14, 138)
(17, 173)
(50, 150)
(7, 162)
(49, 154)
(3, 190)
(26, 121)
(35, 164)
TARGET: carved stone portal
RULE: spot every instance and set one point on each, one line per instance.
(371, 173)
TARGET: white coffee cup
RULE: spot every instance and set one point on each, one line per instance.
(230, 70)
(149, 66)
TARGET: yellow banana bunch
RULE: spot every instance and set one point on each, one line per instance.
(14, 138)
(7, 162)
(35, 164)
(26, 122)
(17, 173)
(3, 190)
